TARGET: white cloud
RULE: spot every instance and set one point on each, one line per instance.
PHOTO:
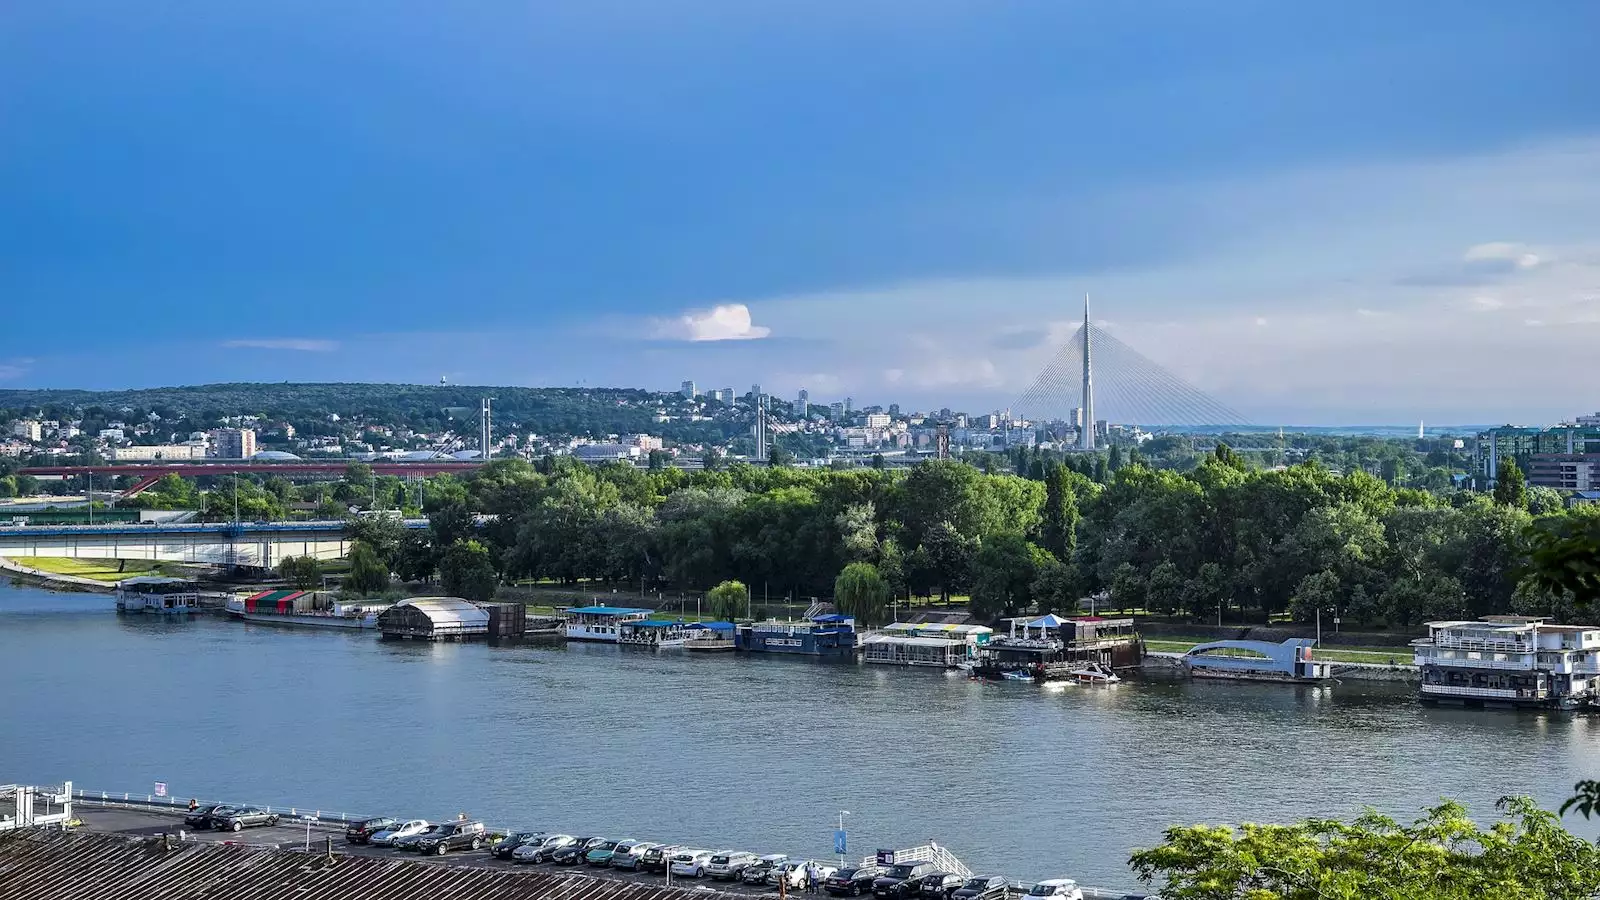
(1261, 321)
(1487, 304)
(724, 322)
(1502, 251)
(304, 345)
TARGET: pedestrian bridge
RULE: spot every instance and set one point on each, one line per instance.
(259, 544)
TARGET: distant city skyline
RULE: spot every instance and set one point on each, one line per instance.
(1321, 214)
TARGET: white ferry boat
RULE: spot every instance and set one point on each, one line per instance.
(603, 624)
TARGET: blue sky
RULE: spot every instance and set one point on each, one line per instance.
(1320, 212)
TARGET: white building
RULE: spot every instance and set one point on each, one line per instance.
(165, 452)
(233, 443)
(1510, 661)
(28, 429)
(687, 389)
(878, 420)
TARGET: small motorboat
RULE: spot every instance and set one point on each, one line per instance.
(1014, 675)
(1094, 673)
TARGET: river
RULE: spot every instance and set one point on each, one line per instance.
(759, 754)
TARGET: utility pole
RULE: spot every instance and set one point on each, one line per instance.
(1086, 429)
(91, 498)
(486, 427)
(236, 497)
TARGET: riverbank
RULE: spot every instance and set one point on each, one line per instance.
(53, 580)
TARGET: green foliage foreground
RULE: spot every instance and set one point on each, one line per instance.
(1442, 856)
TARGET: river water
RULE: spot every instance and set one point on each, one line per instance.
(760, 754)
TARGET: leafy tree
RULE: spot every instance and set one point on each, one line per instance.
(949, 556)
(358, 474)
(1164, 590)
(1565, 555)
(1059, 526)
(1443, 855)
(380, 533)
(416, 560)
(1317, 591)
(861, 591)
(1510, 487)
(368, 574)
(858, 532)
(728, 600)
(304, 572)
(467, 571)
(1055, 587)
(1003, 573)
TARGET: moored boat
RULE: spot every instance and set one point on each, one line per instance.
(1288, 661)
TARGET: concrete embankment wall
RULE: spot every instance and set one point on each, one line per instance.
(1279, 633)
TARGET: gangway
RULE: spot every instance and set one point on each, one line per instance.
(941, 857)
(24, 806)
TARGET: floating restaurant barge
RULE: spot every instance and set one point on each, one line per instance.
(1257, 661)
(158, 595)
(830, 635)
(303, 608)
(937, 644)
(1514, 661)
(1052, 648)
(451, 619)
(603, 624)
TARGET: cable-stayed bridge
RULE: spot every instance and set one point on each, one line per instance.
(1096, 376)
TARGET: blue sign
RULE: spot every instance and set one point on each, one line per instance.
(839, 841)
(885, 857)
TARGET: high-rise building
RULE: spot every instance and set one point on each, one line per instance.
(802, 404)
(894, 409)
(687, 389)
(1550, 446)
(233, 443)
(849, 402)
(836, 411)
(878, 420)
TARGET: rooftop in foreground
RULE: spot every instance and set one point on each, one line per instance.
(91, 866)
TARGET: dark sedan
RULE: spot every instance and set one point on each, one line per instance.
(206, 816)
(851, 882)
(362, 832)
(244, 817)
(508, 845)
(936, 886)
(982, 887)
(572, 854)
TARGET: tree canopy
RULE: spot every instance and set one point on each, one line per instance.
(1443, 855)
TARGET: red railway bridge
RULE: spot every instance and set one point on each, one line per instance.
(150, 473)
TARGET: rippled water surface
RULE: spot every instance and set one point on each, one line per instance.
(729, 751)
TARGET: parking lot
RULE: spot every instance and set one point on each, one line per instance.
(293, 836)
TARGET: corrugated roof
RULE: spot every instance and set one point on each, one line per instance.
(36, 863)
(448, 609)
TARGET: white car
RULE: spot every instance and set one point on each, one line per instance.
(726, 865)
(793, 873)
(690, 863)
(1058, 888)
(404, 829)
(540, 850)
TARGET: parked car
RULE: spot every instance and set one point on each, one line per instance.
(629, 854)
(388, 836)
(757, 872)
(541, 851)
(204, 816)
(454, 836)
(983, 887)
(656, 859)
(240, 818)
(691, 863)
(601, 853)
(852, 882)
(728, 865)
(408, 843)
(507, 845)
(936, 886)
(1057, 888)
(573, 853)
(362, 831)
(894, 880)
(796, 872)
